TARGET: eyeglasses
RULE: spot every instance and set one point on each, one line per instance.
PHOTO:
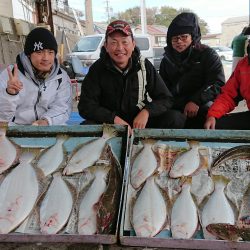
(183, 38)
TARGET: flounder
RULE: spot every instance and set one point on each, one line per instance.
(8, 151)
(149, 212)
(18, 194)
(86, 155)
(184, 216)
(186, 163)
(217, 209)
(87, 222)
(53, 157)
(144, 165)
(56, 206)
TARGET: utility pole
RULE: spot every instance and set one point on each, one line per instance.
(89, 17)
(143, 17)
(44, 13)
(108, 10)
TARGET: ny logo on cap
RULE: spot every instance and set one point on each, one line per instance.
(38, 46)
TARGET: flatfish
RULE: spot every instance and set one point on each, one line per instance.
(144, 165)
(184, 216)
(242, 151)
(87, 219)
(8, 151)
(53, 157)
(186, 163)
(244, 214)
(86, 155)
(18, 194)
(108, 206)
(217, 209)
(149, 212)
(56, 206)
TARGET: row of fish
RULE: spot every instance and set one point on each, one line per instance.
(21, 191)
(54, 157)
(182, 214)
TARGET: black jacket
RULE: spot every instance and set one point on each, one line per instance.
(106, 92)
(196, 78)
(195, 74)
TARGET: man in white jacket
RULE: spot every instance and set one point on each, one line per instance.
(36, 90)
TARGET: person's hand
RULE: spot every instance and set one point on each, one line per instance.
(210, 123)
(141, 119)
(13, 84)
(191, 109)
(120, 121)
(42, 122)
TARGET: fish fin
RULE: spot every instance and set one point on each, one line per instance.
(109, 131)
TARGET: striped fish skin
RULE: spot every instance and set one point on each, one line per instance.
(149, 213)
(217, 209)
(244, 214)
(144, 165)
(56, 206)
(51, 159)
(88, 154)
(186, 163)
(184, 216)
(232, 153)
(18, 194)
(87, 223)
(8, 152)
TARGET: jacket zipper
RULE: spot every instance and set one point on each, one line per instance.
(37, 100)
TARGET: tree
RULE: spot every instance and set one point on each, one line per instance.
(162, 16)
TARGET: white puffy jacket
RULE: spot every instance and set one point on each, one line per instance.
(50, 99)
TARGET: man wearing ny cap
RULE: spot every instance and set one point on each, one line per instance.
(123, 88)
(192, 71)
(35, 90)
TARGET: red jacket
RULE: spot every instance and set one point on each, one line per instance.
(237, 86)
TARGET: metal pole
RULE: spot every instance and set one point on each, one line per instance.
(144, 18)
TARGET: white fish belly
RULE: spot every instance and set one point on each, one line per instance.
(186, 164)
(18, 194)
(144, 166)
(216, 210)
(150, 211)
(56, 207)
(184, 217)
(85, 157)
(8, 153)
(51, 159)
(87, 213)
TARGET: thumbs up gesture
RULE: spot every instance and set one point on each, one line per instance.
(13, 84)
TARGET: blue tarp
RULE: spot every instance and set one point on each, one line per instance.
(75, 119)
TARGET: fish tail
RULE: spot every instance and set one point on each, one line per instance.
(220, 179)
(62, 137)
(3, 128)
(109, 131)
(149, 141)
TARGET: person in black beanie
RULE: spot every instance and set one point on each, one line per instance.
(192, 72)
(35, 90)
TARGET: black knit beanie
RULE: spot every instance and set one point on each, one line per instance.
(39, 39)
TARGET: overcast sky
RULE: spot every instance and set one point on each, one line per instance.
(214, 12)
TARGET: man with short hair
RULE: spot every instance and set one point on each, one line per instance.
(36, 90)
(123, 88)
(192, 72)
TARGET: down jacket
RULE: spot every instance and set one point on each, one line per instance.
(49, 99)
(107, 92)
(194, 75)
(236, 89)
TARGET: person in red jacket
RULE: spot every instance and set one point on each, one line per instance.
(236, 89)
